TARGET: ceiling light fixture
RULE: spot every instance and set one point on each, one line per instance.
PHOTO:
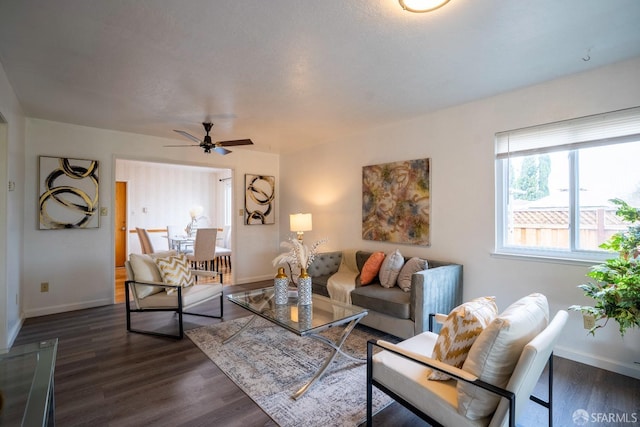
(420, 6)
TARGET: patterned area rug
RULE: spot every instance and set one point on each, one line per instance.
(270, 363)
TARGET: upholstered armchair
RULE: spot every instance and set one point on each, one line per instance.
(493, 383)
(164, 281)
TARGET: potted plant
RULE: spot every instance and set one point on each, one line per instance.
(616, 291)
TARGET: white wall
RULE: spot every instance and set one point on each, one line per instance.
(326, 181)
(78, 264)
(12, 134)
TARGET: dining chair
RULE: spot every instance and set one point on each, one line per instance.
(204, 249)
(172, 232)
(223, 252)
(145, 241)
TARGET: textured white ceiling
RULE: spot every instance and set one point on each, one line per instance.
(292, 73)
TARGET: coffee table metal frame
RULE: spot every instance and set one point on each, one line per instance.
(321, 315)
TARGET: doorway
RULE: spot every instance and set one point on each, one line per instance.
(156, 195)
(120, 234)
(120, 231)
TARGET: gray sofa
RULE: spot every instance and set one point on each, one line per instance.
(438, 289)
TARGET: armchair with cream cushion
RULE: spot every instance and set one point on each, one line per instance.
(164, 281)
(506, 356)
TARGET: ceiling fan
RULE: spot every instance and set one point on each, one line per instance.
(208, 145)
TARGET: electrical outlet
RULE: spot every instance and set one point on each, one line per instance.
(104, 211)
(240, 212)
(44, 287)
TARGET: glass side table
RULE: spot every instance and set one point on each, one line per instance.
(26, 384)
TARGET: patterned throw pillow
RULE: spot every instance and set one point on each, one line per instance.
(390, 269)
(175, 270)
(463, 325)
(146, 270)
(412, 266)
(371, 268)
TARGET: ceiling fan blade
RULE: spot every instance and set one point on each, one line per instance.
(234, 142)
(221, 150)
(188, 135)
(183, 145)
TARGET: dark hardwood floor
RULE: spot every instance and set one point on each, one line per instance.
(108, 377)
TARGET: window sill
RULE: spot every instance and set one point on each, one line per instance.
(551, 259)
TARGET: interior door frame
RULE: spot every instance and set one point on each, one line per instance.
(235, 204)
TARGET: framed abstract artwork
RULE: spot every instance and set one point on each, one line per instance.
(68, 193)
(396, 202)
(259, 199)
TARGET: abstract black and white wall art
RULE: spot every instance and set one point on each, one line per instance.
(68, 193)
(259, 199)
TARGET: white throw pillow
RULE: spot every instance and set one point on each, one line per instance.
(495, 353)
(412, 266)
(390, 269)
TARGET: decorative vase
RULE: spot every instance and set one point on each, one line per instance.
(192, 227)
(281, 287)
(282, 313)
(304, 288)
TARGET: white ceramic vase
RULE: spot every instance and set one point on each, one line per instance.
(281, 287)
(304, 288)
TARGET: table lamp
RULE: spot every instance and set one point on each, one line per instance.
(300, 223)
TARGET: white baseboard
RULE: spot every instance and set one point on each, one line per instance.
(67, 307)
(630, 370)
(13, 333)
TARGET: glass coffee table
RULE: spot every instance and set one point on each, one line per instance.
(306, 321)
(27, 384)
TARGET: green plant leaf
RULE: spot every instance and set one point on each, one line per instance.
(616, 291)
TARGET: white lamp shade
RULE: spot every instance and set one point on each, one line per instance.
(300, 222)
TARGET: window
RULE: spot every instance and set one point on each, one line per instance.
(554, 183)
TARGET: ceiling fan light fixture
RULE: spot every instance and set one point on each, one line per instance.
(207, 144)
(420, 6)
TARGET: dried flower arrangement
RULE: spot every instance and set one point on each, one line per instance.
(299, 254)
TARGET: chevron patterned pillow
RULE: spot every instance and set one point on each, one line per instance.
(460, 330)
(175, 270)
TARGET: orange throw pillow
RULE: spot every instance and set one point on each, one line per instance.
(371, 268)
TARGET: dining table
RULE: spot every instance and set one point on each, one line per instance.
(180, 242)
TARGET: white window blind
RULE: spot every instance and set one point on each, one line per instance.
(591, 131)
